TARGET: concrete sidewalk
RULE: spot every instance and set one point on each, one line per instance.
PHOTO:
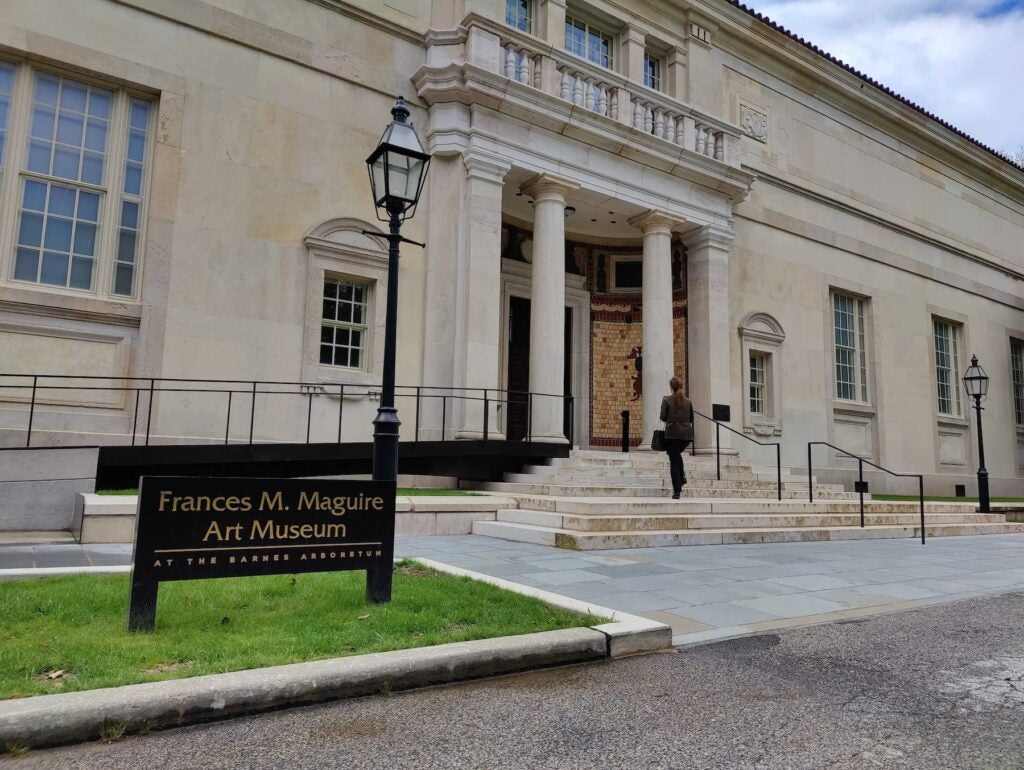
(716, 592)
(705, 593)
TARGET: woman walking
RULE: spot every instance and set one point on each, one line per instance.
(677, 414)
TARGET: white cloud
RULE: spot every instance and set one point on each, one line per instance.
(962, 60)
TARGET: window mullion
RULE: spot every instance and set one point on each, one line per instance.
(110, 205)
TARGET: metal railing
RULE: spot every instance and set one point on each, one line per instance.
(860, 485)
(718, 450)
(142, 392)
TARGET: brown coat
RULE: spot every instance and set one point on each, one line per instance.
(678, 419)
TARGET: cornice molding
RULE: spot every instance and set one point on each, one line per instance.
(888, 224)
(854, 95)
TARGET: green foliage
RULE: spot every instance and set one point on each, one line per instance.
(67, 633)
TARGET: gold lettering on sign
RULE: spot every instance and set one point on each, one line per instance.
(268, 530)
(271, 503)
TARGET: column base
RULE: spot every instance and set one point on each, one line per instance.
(478, 435)
(549, 438)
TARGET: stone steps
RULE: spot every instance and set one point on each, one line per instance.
(661, 490)
(687, 521)
(663, 482)
(594, 541)
(691, 472)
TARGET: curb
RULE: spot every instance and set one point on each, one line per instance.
(48, 720)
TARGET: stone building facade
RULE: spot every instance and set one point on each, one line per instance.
(183, 195)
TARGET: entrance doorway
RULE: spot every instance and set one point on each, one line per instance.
(517, 426)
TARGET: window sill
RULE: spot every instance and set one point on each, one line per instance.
(52, 304)
(852, 407)
(953, 422)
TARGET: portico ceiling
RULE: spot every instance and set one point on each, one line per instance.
(598, 217)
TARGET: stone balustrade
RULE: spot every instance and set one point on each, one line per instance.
(524, 60)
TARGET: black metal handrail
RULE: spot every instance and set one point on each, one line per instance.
(860, 486)
(146, 389)
(718, 450)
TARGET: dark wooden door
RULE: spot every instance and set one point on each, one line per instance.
(517, 425)
(518, 368)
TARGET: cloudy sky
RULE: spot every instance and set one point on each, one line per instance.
(960, 59)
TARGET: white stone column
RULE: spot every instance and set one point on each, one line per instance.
(659, 351)
(708, 332)
(478, 312)
(547, 305)
(462, 314)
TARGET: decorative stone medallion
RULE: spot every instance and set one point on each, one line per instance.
(754, 123)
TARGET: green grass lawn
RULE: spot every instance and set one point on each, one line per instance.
(402, 492)
(934, 499)
(68, 633)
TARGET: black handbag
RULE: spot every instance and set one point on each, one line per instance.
(658, 441)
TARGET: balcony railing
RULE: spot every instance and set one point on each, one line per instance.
(532, 63)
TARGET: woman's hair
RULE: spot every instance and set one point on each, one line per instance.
(677, 390)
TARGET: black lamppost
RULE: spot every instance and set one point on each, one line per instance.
(976, 385)
(398, 168)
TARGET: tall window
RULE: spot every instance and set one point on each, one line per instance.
(947, 366)
(759, 383)
(79, 197)
(517, 14)
(6, 89)
(344, 323)
(652, 72)
(1017, 373)
(851, 358)
(588, 42)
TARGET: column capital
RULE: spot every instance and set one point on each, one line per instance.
(654, 222)
(485, 167)
(709, 236)
(547, 187)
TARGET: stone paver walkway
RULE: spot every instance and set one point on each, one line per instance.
(703, 593)
(713, 592)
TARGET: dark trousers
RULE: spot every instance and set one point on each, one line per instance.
(674, 448)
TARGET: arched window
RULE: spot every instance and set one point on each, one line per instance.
(345, 289)
(761, 338)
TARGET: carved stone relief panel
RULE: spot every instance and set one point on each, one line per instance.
(754, 123)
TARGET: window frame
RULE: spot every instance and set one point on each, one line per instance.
(861, 384)
(656, 81)
(614, 260)
(515, 15)
(571, 21)
(761, 335)
(956, 339)
(759, 389)
(110, 190)
(365, 328)
(1017, 380)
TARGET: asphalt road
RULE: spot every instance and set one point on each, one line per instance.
(936, 688)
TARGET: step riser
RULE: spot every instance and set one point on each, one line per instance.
(605, 541)
(582, 523)
(580, 480)
(662, 507)
(657, 492)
